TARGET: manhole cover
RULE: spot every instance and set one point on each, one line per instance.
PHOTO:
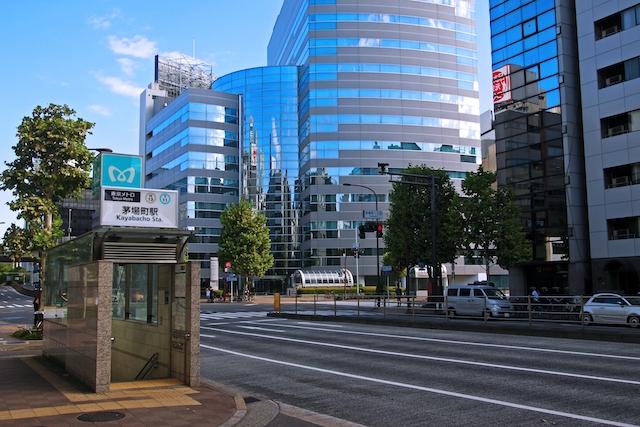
(251, 399)
(101, 417)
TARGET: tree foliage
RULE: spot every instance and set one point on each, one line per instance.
(245, 241)
(52, 163)
(14, 243)
(491, 222)
(408, 236)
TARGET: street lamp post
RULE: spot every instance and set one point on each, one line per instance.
(375, 196)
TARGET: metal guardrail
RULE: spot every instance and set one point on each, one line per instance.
(559, 309)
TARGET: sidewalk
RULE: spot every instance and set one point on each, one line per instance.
(36, 392)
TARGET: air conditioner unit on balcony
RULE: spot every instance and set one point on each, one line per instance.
(609, 81)
(622, 233)
(616, 130)
(609, 31)
(620, 181)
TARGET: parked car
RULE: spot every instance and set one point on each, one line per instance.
(612, 308)
(477, 299)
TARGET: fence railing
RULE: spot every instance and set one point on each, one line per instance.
(560, 308)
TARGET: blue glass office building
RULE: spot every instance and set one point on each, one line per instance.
(269, 175)
(538, 133)
(192, 145)
(348, 84)
(392, 82)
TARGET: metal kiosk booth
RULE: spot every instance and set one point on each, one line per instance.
(122, 305)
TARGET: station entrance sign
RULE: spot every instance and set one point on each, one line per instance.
(136, 207)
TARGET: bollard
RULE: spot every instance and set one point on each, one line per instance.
(276, 302)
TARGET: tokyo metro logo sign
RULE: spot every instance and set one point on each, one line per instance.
(120, 170)
(126, 176)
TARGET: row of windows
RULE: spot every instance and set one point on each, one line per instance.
(332, 175)
(620, 123)
(389, 18)
(329, 97)
(624, 228)
(199, 111)
(210, 185)
(622, 176)
(617, 22)
(330, 122)
(531, 57)
(200, 160)
(519, 46)
(528, 29)
(501, 20)
(329, 72)
(320, 150)
(393, 43)
(198, 136)
(620, 72)
(388, 145)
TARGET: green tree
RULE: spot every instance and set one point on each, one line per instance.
(15, 244)
(245, 240)
(408, 236)
(491, 222)
(52, 163)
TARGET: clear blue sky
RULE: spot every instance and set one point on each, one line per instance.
(96, 56)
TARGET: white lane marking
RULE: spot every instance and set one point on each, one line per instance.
(233, 315)
(434, 358)
(258, 328)
(241, 321)
(471, 343)
(428, 389)
(313, 324)
(207, 336)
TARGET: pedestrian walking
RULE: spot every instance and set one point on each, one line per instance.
(208, 292)
(399, 295)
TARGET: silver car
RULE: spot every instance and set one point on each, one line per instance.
(612, 308)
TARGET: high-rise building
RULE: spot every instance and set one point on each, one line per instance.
(609, 47)
(538, 138)
(269, 173)
(349, 84)
(392, 82)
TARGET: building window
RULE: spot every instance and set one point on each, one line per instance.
(617, 22)
(135, 292)
(623, 228)
(621, 176)
(620, 72)
(620, 123)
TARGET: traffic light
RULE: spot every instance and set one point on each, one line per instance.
(356, 253)
(369, 227)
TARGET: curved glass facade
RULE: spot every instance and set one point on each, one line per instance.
(269, 173)
(377, 84)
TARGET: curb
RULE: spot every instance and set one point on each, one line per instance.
(241, 406)
(540, 330)
(314, 417)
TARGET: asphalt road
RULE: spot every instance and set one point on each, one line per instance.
(15, 307)
(390, 376)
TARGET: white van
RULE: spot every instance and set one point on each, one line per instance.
(477, 299)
